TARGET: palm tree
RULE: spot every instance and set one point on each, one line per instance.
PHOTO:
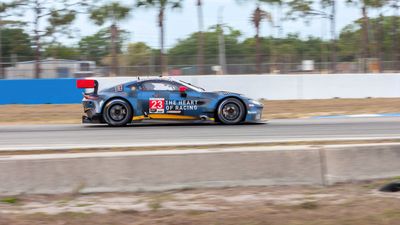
(305, 9)
(3, 8)
(112, 12)
(365, 5)
(258, 16)
(332, 18)
(161, 5)
(200, 48)
(394, 4)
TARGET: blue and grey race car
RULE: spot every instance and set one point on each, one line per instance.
(164, 99)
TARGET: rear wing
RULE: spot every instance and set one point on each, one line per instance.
(88, 84)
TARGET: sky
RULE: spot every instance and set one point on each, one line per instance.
(180, 23)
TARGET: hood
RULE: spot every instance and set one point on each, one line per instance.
(226, 93)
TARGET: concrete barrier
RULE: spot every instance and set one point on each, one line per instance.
(367, 162)
(163, 170)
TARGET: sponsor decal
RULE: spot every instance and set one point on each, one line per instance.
(181, 105)
(157, 105)
(160, 106)
(174, 111)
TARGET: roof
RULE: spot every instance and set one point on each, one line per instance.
(148, 78)
(155, 78)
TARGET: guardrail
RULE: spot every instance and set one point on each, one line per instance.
(272, 87)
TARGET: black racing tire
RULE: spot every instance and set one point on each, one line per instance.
(231, 111)
(392, 187)
(117, 113)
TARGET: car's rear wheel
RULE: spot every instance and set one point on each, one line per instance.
(231, 111)
(117, 113)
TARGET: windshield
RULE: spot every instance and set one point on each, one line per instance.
(199, 89)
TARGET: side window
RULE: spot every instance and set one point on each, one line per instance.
(159, 86)
(147, 86)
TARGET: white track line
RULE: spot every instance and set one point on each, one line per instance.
(100, 146)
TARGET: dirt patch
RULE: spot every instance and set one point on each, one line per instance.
(309, 108)
(45, 114)
(350, 204)
(40, 114)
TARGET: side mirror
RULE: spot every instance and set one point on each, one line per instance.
(182, 90)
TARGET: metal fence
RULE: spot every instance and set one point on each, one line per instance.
(71, 71)
(266, 68)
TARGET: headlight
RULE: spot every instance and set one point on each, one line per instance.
(253, 103)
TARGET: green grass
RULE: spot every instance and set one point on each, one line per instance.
(155, 205)
(308, 205)
(83, 205)
(9, 200)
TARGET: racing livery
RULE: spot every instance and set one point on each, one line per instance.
(164, 99)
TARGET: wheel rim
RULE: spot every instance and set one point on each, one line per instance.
(118, 112)
(231, 111)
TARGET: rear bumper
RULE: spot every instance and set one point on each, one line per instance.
(92, 112)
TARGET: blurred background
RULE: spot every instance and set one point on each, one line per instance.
(70, 38)
(330, 139)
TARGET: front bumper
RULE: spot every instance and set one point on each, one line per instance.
(254, 115)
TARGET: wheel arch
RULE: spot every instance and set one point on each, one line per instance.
(223, 99)
(115, 98)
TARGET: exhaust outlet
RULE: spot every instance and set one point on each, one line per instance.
(204, 118)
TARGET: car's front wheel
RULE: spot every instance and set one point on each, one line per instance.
(231, 111)
(117, 113)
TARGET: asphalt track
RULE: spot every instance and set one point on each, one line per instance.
(42, 137)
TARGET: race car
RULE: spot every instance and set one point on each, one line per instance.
(164, 99)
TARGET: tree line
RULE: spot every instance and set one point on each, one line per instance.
(364, 38)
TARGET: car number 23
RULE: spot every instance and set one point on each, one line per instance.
(157, 103)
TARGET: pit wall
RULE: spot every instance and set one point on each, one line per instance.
(43, 91)
(271, 87)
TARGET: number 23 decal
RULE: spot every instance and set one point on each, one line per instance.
(156, 105)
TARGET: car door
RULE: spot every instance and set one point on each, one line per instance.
(187, 102)
(162, 99)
